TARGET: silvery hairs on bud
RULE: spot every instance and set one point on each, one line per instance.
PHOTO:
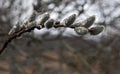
(15, 28)
(32, 17)
(69, 20)
(96, 30)
(31, 25)
(89, 21)
(81, 30)
(49, 23)
(77, 24)
(44, 17)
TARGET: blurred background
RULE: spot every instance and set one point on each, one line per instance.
(61, 51)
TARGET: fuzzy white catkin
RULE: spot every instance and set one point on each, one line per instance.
(14, 28)
(32, 17)
(49, 23)
(69, 20)
(96, 30)
(89, 21)
(44, 17)
(31, 24)
(77, 24)
(81, 30)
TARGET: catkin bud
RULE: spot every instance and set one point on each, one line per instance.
(96, 30)
(81, 30)
(32, 17)
(31, 25)
(14, 28)
(89, 21)
(44, 18)
(69, 20)
(76, 25)
(49, 23)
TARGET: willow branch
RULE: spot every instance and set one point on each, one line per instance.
(48, 23)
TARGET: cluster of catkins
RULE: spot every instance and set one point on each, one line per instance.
(45, 21)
